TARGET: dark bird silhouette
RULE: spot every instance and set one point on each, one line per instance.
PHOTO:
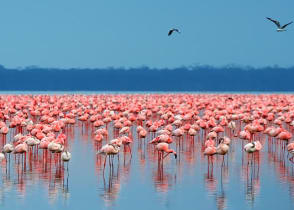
(280, 28)
(172, 30)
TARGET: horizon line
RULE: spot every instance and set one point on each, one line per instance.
(190, 67)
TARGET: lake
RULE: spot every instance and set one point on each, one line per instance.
(242, 181)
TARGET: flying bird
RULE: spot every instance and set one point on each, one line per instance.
(280, 28)
(172, 30)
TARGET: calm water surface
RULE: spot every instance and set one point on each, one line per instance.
(265, 181)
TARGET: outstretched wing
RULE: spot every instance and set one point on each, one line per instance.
(170, 32)
(284, 26)
(177, 30)
(275, 21)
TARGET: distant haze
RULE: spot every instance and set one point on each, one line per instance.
(133, 33)
(201, 78)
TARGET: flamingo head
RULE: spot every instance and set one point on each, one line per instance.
(220, 140)
(115, 145)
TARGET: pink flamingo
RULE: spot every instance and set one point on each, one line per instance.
(163, 148)
(109, 150)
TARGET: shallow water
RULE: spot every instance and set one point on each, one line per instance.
(265, 181)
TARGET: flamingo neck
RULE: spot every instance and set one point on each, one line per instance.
(170, 151)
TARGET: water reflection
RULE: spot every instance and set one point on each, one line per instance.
(251, 172)
(22, 172)
(110, 176)
(221, 199)
(43, 169)
(111, 186)
(162, 179)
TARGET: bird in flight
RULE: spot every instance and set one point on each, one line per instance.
(280, 28)
(172, 30)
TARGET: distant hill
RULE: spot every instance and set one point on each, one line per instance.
(203, 78)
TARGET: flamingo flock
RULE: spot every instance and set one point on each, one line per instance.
(162, 124)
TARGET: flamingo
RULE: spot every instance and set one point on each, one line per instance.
(253, 147)
(65, 157)
(209, 152)
(8, 148)
(22, 149)
(163, 148)
(108, 150)
(126, 141)
(222, 148)
(284, 135)
(55, 147)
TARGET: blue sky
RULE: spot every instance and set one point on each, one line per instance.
(133, 33)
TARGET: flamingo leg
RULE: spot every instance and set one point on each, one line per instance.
(159, 157)
(130, 150)
(104, 163)
(165, 155)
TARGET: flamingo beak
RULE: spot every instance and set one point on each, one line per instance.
(176, 156)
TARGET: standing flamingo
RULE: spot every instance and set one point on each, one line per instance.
(108, 150)
(222, 148)
(163, 148)
(65, 157)
(252, 147)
